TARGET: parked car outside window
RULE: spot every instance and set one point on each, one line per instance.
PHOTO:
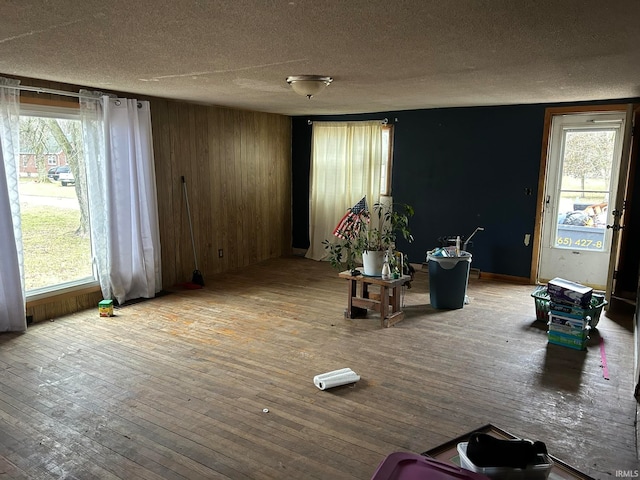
(65, 176)
(53, 172)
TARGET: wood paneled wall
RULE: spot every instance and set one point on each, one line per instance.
(237, 168)
(58, 305)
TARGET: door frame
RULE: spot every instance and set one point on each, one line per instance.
(621, 261)
(621, 200)
(549, 113)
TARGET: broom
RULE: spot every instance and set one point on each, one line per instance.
(196, 278)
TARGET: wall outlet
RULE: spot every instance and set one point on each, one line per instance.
(220, 253)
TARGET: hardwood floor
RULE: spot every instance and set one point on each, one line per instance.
(176, 387)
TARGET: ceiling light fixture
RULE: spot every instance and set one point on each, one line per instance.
(308, 85)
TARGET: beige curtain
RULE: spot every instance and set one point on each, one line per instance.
(346, 162)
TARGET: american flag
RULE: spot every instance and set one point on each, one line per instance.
(349, 225)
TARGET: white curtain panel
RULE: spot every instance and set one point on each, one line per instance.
(93, 135)
(122, 196)
(12, 298)
(346, 163)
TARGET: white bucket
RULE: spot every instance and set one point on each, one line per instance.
(372, 263)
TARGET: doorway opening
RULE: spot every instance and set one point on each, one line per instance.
(579, 194)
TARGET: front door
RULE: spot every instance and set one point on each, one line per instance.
(581, 184)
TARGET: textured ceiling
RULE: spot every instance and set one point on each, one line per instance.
(383, 55)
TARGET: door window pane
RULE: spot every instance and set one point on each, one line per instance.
(585, 184)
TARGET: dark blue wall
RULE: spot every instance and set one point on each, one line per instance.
(470, 167)
(460, 168)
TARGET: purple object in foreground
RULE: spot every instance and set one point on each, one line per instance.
(411, 466)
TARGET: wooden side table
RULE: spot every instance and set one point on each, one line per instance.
(386, 302)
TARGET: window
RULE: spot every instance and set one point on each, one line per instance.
(387, 156)
(53, 201)
(346, 164)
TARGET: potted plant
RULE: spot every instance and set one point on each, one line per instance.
(369, 237)
(342, 254)
(381, 235)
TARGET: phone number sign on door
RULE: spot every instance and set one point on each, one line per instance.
(580, 237)
(579, 243)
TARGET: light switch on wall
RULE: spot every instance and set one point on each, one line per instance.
(527, 239)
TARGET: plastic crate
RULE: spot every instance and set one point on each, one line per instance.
(543, 301)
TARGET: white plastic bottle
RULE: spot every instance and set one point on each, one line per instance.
(386, 270)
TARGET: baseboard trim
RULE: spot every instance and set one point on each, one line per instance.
(65, 294)
(505, 278)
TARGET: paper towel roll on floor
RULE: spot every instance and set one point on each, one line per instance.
(344, 376)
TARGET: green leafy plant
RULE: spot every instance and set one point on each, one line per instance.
(342, 254)
(361, 234)
(393, 220)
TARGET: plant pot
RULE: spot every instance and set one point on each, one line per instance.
(372, 262)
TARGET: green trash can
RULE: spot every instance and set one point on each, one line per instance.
(448, 277)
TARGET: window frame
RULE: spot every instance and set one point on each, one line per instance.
(68, 109)
(387, 162)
